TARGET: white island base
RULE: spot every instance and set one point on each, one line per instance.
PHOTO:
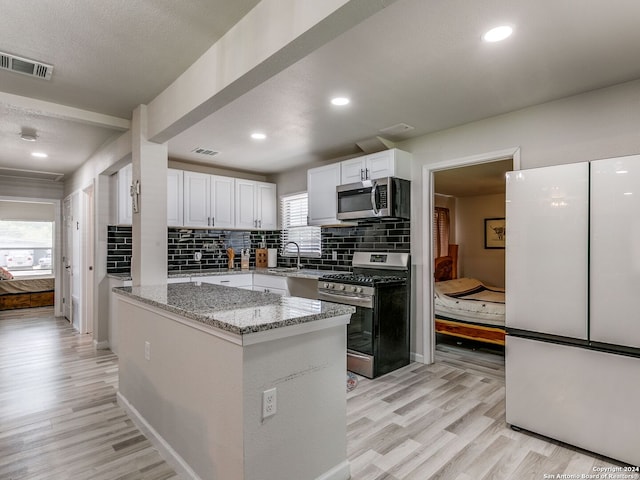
(198, 395)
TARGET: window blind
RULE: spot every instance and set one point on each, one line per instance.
(294, 211)
(440, 231)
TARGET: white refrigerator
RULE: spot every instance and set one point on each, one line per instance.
(573, 304)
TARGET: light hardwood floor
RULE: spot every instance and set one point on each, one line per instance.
(59, 418)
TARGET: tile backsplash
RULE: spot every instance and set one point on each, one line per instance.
(337, 242)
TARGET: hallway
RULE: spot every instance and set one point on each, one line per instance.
(59, 418)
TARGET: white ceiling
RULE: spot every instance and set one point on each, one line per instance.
(417, 62)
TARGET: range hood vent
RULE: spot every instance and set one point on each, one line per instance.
(25, 66)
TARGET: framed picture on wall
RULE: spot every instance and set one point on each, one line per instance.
(494, 232)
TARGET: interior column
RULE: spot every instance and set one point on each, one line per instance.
(149, 227)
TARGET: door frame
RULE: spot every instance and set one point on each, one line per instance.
(428, 330)
(56, 252)
(87, 260)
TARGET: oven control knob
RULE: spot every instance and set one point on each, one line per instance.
(353, 289)
(357, 289)
(340, 287)
(326, 285)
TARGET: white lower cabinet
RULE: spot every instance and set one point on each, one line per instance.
(270, 284)
(241, 280)
(178, 279)
(248, 281)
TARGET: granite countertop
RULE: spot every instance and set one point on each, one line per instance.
(233, 309)
(278, 271)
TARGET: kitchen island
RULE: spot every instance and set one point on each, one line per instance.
(196, 361)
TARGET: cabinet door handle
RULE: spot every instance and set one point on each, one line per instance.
(213, 221)
(259, 223)
(361, 174)
(366, 174)
(225, 281)
(208, 221)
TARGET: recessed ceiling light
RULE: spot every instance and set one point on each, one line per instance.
(497, 34)
(258, 136)
(39, 154)
(340, 101)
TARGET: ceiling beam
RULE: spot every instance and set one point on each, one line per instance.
(55, 110)
(269, 39)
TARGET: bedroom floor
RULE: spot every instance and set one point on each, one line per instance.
(60, 418)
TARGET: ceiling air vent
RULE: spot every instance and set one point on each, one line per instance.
(397, 130)
(204, 151)
(25, 66)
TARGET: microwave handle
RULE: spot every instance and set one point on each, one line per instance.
(373, 198)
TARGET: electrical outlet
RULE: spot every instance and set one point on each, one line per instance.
(197, 256)
(334, 255)
(269, 404)
(147, 351)
(209, 247)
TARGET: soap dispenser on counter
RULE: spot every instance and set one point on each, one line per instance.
(244, 259)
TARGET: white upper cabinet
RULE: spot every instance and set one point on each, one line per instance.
(321, 190)
(203, 200)
(125, 205)
(266, 206)
(196, 199)
(256, 205)
(388, 163)
(353, 170)
(547, 249)
(615, 251)
(222, 202)
(174, 197)
(208, 200)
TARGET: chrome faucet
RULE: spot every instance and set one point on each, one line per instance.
(298, 247)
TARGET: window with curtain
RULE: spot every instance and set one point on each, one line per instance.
(294, 211)
(440, 231)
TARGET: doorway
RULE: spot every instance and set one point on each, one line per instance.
(469, 257)
(468, 225)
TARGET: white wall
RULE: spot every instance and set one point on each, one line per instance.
(475, 261)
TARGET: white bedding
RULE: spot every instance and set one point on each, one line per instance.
(27, 285)
(469, 300)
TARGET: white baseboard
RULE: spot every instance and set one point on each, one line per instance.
(103, 345)
(181, 467)
(342, 471)
(417, 357)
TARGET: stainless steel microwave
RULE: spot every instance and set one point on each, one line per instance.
(388, 197)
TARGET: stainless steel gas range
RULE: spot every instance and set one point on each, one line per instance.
(378, 334)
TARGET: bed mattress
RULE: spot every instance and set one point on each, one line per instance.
(26, 285)
(469, 300)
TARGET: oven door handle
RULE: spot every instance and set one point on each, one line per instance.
(346, 299)
(373, 198)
